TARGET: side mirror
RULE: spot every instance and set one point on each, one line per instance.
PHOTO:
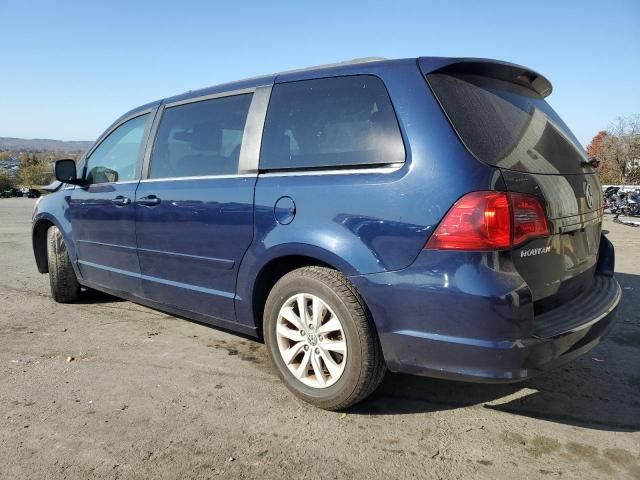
(65, 171)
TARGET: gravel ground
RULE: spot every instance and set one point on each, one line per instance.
(106, 388)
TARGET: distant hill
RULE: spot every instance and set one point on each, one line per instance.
(39, 144)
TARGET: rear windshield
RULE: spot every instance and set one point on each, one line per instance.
(507, 125)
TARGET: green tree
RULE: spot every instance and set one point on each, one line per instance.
(28, 159)
(5, 181)
(34, 171)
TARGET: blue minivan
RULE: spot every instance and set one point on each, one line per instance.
(432, 216)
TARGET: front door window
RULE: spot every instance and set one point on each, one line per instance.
(116, 158)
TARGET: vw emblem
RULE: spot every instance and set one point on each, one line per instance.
(588, 194)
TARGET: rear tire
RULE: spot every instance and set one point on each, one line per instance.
(64, 284)
(336, 358)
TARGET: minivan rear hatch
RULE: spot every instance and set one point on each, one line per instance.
(499, 112)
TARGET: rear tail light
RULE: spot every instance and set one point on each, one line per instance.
(529, 219)
(490, 221)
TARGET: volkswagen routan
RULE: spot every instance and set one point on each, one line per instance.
(432, 216)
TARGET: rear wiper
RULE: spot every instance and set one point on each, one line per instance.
(592, 162)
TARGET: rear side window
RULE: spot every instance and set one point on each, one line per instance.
(330, 122)
(507, 125)
(200, 138)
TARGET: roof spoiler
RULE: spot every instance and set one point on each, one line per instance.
(509, 72)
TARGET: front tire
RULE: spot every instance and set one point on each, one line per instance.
(64, 284)
(321, 339)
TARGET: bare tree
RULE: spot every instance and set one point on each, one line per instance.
(619, 148)
(633, 148)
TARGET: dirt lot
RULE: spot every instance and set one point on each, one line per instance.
(149, 395)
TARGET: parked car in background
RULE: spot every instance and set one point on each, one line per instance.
(32, 193)
(11, 192)
(432, 216)
(20, 192)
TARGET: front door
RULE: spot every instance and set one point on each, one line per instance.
(102, 213)
(194, 213)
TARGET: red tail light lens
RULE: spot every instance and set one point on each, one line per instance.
(529, 219)
(490, 221)
(478, 221)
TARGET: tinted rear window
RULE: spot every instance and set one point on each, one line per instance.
(200, 138)
(330, 122)
(507, 125)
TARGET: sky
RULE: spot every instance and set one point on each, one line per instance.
(69, 68)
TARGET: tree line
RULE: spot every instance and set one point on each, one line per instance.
(34, 168)
(618, 150)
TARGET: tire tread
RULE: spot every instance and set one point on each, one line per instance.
(62, 279)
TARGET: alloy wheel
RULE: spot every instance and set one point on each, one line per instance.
(311, 340)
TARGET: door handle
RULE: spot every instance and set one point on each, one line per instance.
(149, 201)
(121, 201)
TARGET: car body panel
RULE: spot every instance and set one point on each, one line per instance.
(470, 316)
(104, 235)
(191, 244)
(565, 267)
(334, 213)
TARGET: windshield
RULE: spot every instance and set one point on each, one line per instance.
(507, 125)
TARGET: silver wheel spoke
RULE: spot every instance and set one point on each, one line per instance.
(302, 309)
(334, 369)
(317, 370)
(303, 368)
(338, 346)
(318, 312)
(289, 354)
(288, 314)
(333, 325)
(293, 335)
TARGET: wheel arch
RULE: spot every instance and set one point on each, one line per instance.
(42, 222)
(274, 268)
(39, 242)
(269, 275)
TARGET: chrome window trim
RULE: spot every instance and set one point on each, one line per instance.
(87, 187)
(252, 136)
(211, 96)
(201, 177)
(124, 182)
(337, 171)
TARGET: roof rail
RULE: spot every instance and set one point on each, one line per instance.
(354, 61)
(343, 63)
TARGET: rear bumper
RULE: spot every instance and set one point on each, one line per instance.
(432, 322)
(478, 360)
